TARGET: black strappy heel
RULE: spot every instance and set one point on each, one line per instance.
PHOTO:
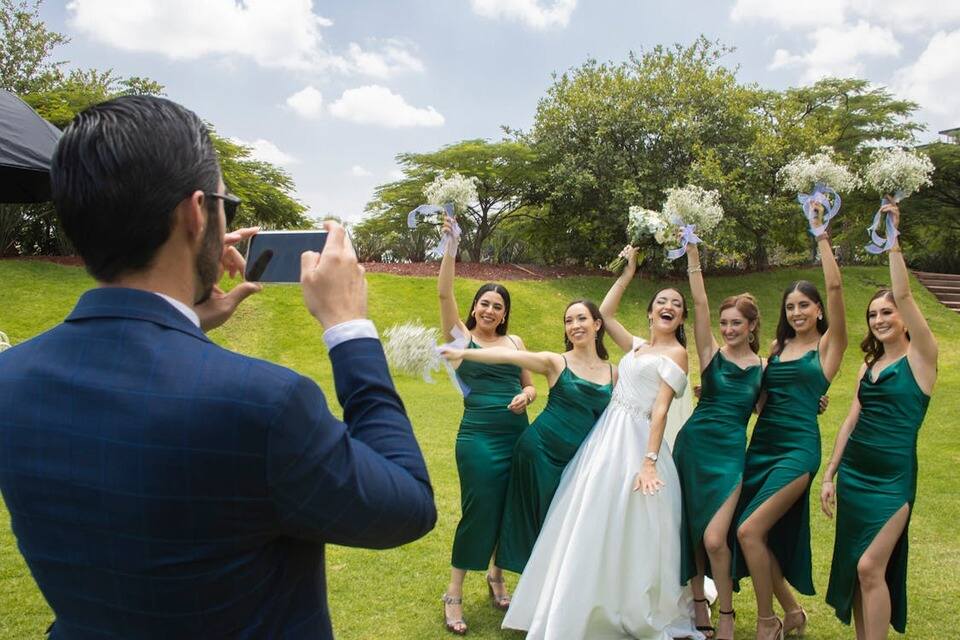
(706, 629)
(731, 613)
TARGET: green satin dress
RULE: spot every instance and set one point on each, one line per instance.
(542, 453)
(709, 450)
(877, 476)
(784, 446)
(488, 434)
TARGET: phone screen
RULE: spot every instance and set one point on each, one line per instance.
(274, 256)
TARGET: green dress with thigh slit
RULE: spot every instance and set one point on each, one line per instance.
(488, 434)
(785, 445)
(542, 453)
(709, 450)
(876, 478)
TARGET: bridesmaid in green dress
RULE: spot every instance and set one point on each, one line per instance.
(773, 514)
(581, 382)
(709, 450)
(876, 456)
(494, 416)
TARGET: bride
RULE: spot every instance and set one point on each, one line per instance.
(607, 562)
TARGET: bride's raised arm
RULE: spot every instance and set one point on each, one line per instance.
(611, 302)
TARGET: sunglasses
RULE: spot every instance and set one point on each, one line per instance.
(230, 205)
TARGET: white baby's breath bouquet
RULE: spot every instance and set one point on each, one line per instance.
(693, 205)
(805, 172)
(641, 223)
(458, 190)
(4, 341)
(898, 172)
(411, 348)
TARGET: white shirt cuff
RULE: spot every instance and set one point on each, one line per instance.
(349, 330)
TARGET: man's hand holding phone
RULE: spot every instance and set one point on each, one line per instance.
(218, 308)
(333, 282)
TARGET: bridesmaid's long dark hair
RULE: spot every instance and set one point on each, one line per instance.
(871, 347)
(596, 315)
(784, 330)
(681, 333)
(471, 322)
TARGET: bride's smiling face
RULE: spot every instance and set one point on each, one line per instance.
(667, 311)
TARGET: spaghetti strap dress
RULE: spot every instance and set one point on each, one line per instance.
(543, 451)
(484, 449)
(877, 476)
(785, 445)
(710, 449)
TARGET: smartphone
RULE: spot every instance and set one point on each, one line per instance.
(274, 256)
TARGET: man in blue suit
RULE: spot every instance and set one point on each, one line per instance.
(160, 486)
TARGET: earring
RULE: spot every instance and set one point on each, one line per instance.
(820, 316)
(750, 338)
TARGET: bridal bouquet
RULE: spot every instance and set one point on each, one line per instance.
(641, 223)
(821, 175)
(445, 196)
(411, 348)
(894, 173)
(690, 209)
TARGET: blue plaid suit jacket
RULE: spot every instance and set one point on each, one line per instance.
(160, 486)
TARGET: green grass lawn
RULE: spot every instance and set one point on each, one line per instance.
(396, 594)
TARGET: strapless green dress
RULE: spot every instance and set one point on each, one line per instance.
(876, 477)
(542, 453)
(488, 434)
(784, 446)
(709, 450)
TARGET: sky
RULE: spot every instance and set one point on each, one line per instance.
(333, 91)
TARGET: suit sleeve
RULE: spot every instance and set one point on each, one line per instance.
(362, 482)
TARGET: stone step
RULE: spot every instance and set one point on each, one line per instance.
(939, 282)
(949, 297)
(941, 288)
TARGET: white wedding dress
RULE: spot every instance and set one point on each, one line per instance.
(607, 562)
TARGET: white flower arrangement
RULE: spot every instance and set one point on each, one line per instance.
(898, 172)
(693, 205)
(411, 348)
(458, 190)
(804, 172)
(641, 223)
(4, 341)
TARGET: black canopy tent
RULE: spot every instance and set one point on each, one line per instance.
(27, 142)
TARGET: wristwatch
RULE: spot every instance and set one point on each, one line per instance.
(650, 455)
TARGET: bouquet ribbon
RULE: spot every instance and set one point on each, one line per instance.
(820, 195)
(687, 236)
(446, 239)
(460, 341)
(879, 244)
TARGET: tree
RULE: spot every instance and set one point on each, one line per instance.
(931, 218)
(25, 48)
(508, 174)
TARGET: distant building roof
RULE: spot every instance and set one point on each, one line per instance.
(950, 132)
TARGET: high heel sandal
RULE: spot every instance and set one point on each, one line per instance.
(706, 629)
(795, 629)
(458, 626)
(779, 634)
(498, 602)
(730, 613)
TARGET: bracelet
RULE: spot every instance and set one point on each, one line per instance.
(896, 249)
(823, 236)
(825, 481)
(694, 270)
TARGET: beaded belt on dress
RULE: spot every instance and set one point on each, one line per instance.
(629, 407)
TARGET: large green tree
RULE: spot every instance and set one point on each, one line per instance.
(508, 176)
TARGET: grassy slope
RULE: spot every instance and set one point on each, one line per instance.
(395, 594)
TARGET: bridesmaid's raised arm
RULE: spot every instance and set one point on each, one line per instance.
(923, 351)
(703, 334)
(449, 314)
(834, 341)
(611, 302)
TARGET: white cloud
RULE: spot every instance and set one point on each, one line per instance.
(359, 172)
(839, 50)
(556, 13)
(932, 79)
(909, 16)
(789, 13)
(273, 33)
(267, 151)
(378, 105)
(307, 103)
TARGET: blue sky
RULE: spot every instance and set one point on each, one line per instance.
(332, 91)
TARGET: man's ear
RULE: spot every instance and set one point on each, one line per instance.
(191, 213)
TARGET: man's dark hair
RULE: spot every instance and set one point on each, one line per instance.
(118, 173)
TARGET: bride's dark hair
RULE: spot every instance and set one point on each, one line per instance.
(680, 333)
